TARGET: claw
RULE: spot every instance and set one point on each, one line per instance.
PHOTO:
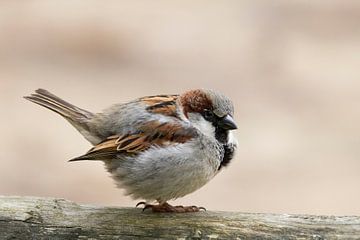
(140, 203)
(202, 208)
(199, 208)
(165, 207)
(147, 207)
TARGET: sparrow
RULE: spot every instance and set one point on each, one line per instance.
(157, 148)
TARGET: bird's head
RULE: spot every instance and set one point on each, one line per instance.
(209, 111)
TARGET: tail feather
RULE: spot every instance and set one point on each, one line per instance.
(79, 118)
(58, 105)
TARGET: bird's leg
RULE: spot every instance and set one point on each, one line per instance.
(165, 207)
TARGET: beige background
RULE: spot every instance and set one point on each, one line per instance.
(291, 68)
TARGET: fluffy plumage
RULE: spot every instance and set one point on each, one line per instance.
(156, 147)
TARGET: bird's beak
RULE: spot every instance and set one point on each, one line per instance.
(227, 123)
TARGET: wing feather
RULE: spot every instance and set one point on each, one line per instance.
(153, 133)
(161, 104)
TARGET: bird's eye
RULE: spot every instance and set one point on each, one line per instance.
(208, 115)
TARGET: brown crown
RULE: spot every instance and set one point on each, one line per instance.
(195, 101)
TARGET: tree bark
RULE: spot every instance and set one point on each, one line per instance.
(50, 218)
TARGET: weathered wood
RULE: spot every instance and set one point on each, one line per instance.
(49, 218)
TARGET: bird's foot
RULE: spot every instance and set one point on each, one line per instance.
(165, 207)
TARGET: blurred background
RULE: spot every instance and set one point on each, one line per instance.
(291, 68)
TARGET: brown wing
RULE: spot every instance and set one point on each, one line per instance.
(153, 133)
(162, 104)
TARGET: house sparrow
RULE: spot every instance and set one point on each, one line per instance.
(159, 147)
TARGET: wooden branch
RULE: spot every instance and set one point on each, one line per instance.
(49, 218)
